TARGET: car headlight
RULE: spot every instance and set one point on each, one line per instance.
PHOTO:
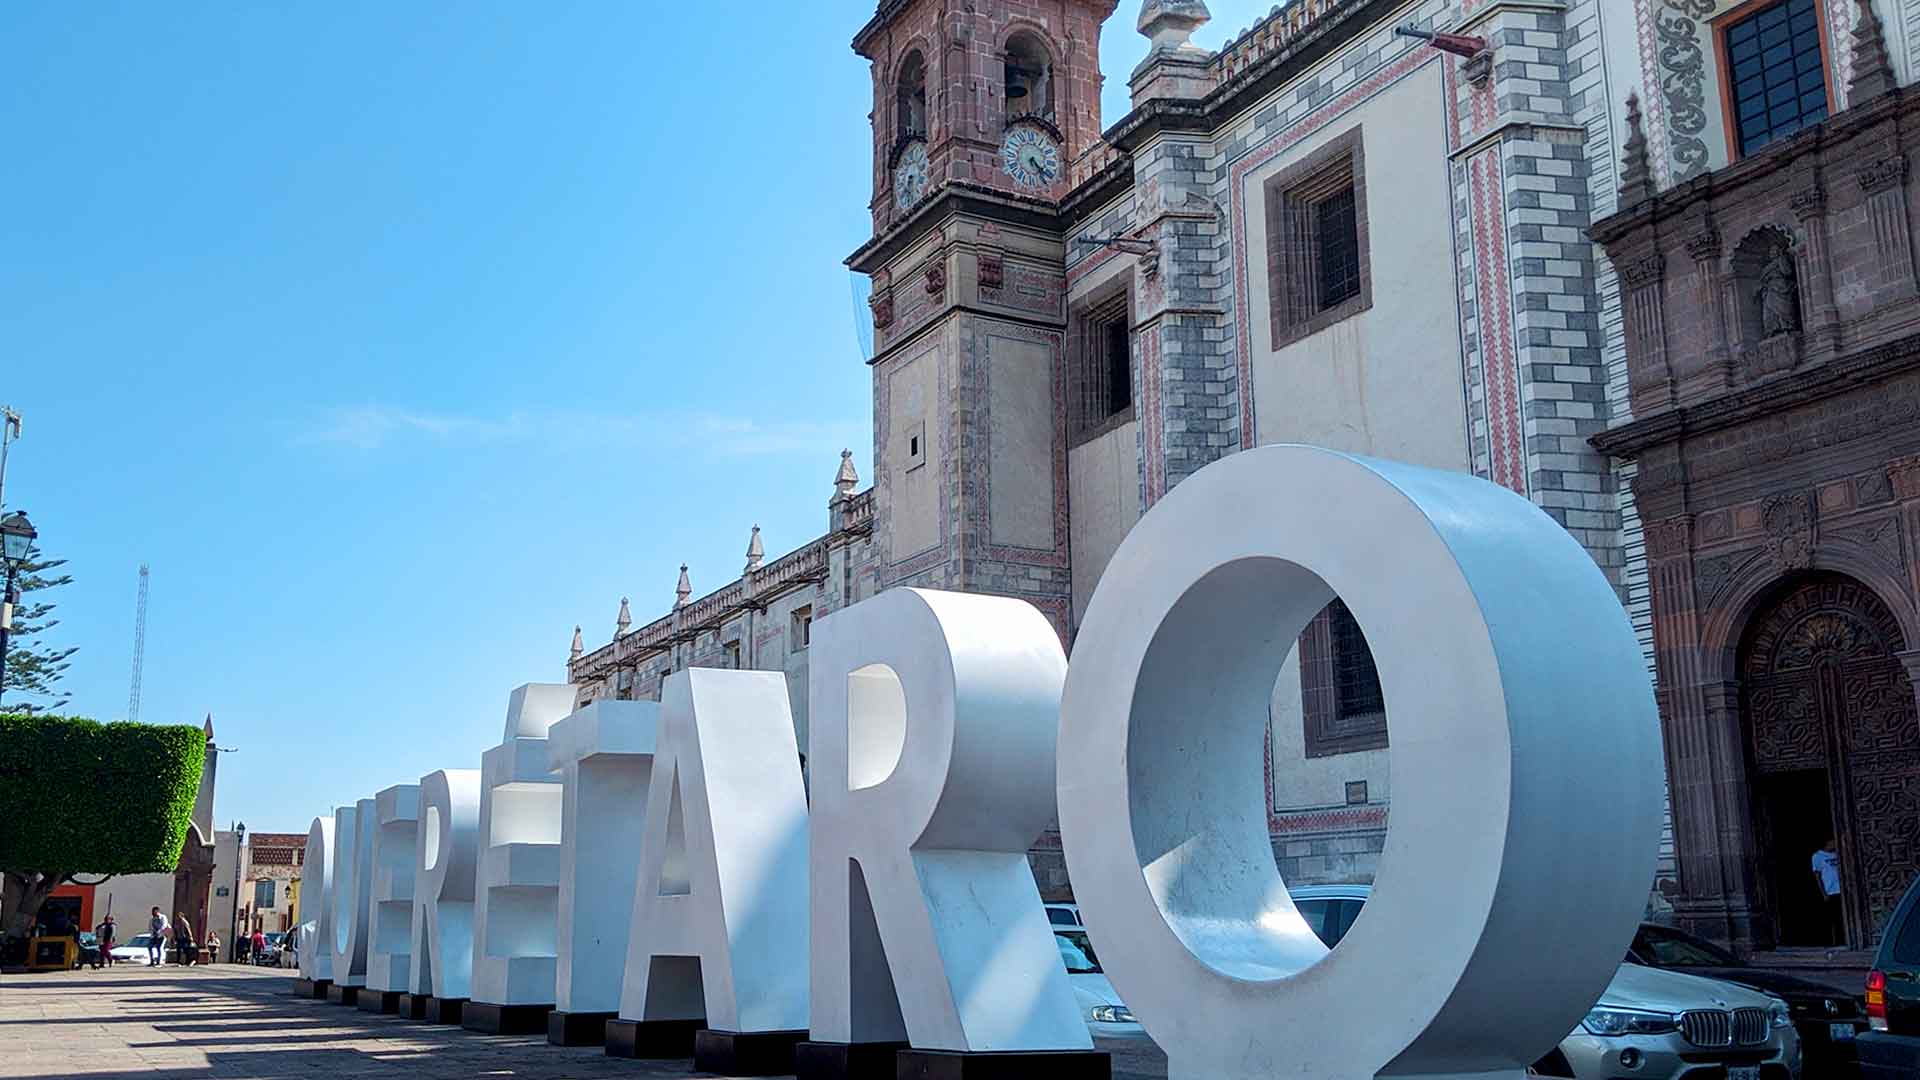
(1780, 1014)
(1111, 1014)
(1604, 1021)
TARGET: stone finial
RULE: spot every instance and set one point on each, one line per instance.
(208, 727)
(1169, 23)
(1636, 173)
(756, 551)
(1872, 71)
(625, 620)
(846, 479)
(682, 590)
(578, 647)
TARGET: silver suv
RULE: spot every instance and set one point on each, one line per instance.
(1650, 1023)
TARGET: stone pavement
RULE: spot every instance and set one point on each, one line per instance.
(227, 1022)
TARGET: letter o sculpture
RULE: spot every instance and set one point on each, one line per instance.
(1526, 772)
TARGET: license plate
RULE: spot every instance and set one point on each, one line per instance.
(1840, 1032)
(1743, 1072)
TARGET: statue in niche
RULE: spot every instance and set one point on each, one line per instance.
(1779, 294)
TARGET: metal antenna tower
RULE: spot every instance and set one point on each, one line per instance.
(139, 646)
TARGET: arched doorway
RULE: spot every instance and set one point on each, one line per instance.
(1833, 750)
(193, 881)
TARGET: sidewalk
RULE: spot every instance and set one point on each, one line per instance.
(228, 1022)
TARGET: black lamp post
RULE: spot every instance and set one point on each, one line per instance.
(239, 867)
(16, 539)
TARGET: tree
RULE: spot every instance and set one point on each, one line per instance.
(35, 669)
(81, 797)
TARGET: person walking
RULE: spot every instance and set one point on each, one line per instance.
(1826, 876)
(156, 938)
(259, 944)
(105, 933)
(184, 950)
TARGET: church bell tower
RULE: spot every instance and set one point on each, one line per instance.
(981, 111)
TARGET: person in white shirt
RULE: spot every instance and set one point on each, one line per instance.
(1826, 875)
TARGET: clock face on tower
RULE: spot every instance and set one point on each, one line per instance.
(910, 175)
(1030, 155)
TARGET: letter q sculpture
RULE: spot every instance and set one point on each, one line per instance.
(1526, 773)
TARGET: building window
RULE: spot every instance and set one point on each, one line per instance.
(916, 444)
(1101, 386)
(803, 627)
(1776, 75)
(1318, 269)
(733, 654)
(1029, 78)
(1342, 706)
(910, 98)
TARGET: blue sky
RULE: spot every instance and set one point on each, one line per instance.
(399, 338)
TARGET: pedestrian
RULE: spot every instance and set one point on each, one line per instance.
(105, 933)
(184, 950)
(212, 946)
(1826, 876)
(259, 944)
(242, 946)
(156, 938)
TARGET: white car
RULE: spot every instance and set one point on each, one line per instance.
(1064, 915)
(135, 951)
(1100, 1005)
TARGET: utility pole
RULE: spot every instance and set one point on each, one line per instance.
(9, 431)
(139, 647)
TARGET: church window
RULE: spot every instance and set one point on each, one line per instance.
(916, 444)
(1318, 266)
(910, 100)
(1343, 708)
(1029, 78)
(732, 651)
(1775, 75)
(802, 628)
(1100, 384)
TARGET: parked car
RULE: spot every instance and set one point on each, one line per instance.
(1064, 914)
(1891, 1046)
(1100, 1004)
(270, 956)
(1827, 1019)
(135, 951)
(1650, 1023)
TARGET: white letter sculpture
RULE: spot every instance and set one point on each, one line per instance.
(604, 752)
(1526, 773)
(442, 969)
(720, 915)
(348, 892)
(517, 883)
(396, 834)
(313, 938)
(933, 719)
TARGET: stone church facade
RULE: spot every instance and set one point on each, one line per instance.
(1765, 243)
(1328, 231)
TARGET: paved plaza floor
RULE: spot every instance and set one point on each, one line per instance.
(227, 1022)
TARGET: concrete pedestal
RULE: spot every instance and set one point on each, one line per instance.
(445, 1010)
(1004, 1065)
(343, 995)
(411, 1007)
(379, 1001)
(746, 1053)
(578, 1028)
(494, 1019)
(846, 1061)
(311, 988)
(652, 1038)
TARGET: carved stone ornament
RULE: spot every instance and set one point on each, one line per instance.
(1704, 245)
(1809, 202)
(936, 280)
(1883, 174)
(1787, 520)
(1904, 474)
(882, 305)
(1643, 271)
(1669, 537)
(993, 271)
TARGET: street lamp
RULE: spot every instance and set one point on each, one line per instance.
(239, 866)
(16, 539)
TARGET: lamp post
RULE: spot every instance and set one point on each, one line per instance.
(16, 539)
(239, 867)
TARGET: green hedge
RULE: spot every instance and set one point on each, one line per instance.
(79, 796)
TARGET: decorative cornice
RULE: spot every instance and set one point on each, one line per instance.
(1883, 173)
